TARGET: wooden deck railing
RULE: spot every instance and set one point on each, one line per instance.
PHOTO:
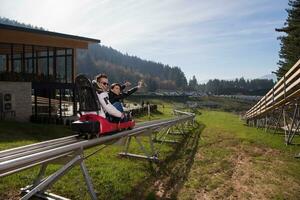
(284, 91)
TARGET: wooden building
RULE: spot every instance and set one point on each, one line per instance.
(44, 60)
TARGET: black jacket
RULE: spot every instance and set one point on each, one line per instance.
(118, 98)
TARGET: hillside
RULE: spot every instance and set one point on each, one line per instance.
(120, 67)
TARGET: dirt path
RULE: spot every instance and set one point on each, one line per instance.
(222, 166)
(228, 168)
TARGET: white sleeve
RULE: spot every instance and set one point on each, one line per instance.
(107, 106)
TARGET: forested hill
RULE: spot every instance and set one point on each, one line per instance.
(121, 67)
(4, 20)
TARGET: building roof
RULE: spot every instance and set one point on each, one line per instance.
(16, 34)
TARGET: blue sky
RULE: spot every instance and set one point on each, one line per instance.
(221, 39)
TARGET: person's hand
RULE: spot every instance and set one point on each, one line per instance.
(127, 83)
(140, 84)
(122, 116)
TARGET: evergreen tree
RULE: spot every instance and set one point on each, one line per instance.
(237, 86)
(290, 43)
(193, 84)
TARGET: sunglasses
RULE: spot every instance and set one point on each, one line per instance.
(104, 83)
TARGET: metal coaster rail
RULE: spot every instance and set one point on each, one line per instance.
(69, 151)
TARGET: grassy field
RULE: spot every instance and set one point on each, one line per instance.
(205, 102)
(239, 162)
(220, 159)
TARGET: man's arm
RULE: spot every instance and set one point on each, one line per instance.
(107, 106)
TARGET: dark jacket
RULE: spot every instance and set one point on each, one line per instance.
(118, 98)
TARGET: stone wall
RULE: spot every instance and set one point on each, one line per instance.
(21, 98)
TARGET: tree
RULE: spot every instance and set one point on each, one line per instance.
(290, 43)
(152, 84)
(237, 86)
(193, 84)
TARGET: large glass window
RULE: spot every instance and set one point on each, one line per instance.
(17, 60)
(2, 63)
(29, 66)
(51, 64)
(17, 65)
(39, 63)
(29, 61)
(60, 69)
(17, 57)
(69, 69)
(42, 65)
(51, 72)
(69, 51)
(60, 52)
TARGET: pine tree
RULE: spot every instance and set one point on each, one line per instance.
(193, 83)
(290, 43)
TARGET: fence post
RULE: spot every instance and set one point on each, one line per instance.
(149, 111)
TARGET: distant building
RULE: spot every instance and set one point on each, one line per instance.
(37, 71)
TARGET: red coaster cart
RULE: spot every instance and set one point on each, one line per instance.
(90, 124)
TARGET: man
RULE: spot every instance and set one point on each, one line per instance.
(102, 87)
(116, 95)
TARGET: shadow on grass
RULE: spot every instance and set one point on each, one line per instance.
(294, 144)
(12, 131)
(168, 177)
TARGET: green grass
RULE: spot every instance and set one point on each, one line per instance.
(163, 112)
(227, 122)
(14, 134)
(164, 108)
(224, 104)
(241, 162)
(205, 102)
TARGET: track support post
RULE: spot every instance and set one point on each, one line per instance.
(40, 185)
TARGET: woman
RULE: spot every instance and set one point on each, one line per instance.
(116, 94)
